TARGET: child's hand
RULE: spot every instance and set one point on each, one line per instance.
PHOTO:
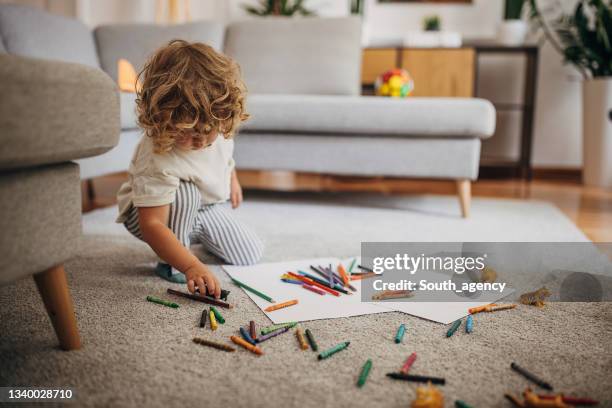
(199, 275)
(235, 191)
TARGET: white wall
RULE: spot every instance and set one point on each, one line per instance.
(557, 140)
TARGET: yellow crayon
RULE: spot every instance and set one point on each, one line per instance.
(213, 321)
(301, 339)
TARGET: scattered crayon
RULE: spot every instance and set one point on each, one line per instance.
(363, 276)
(294, 281)
(352, 266)
(400, 333)
(272, 334)
(203, 318)
(531, 377)
(461, 404)
(365, 371)
(218, 316)
(416, 378)
(252, 290)
(330, 278)
(223, 296)
(469, 324)
(408, 364)
(365, 268)
(453, 328)
(246, 336)
(330, 352)
(311, 340)
(275, 327)
(492, 308)
(241, 342)
(281, 305)
(313, 289)
(571, 400)
(323, 284)
(514, 400)
(213, 344)
(479, 309)
(206, 299)
(392, 294)
(252, 330)
(159, 301)
(315, 283)
(301, 340)
(213, 320)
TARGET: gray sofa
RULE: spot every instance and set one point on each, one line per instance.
(304, 81)
(51, 113)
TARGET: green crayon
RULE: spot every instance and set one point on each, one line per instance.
(162, 302)
(365, 370)
(311, 340)
(330, 352)
(453, 328)
(461, 404)
(400, 334)
(218, 316)
(275, 327)
(350, 269)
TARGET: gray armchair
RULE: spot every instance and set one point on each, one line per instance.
(51, 113)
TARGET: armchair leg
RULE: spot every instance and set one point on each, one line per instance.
(53, 288)
(464, 189)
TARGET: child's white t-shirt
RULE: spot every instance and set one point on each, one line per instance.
(155, 177)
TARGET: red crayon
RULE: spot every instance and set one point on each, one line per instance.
(409, 361)
(252, 330)
(313, 289)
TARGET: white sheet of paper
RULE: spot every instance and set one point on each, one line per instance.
(267, 279)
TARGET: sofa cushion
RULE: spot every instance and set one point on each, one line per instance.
(30, 32)
(298, 56)
(135, 42)
(127, 100)
(58, 111)
(367, 115)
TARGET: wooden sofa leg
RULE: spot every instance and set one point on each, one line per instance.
(53, 288)
(464, 189)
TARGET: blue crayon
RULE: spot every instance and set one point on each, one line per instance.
(469, 324)
(245, 335)
(400, 334)
(295, 282)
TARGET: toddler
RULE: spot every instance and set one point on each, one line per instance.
(182, 173)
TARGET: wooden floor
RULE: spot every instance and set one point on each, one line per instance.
(589, 208)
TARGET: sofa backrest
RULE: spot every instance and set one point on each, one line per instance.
(135, 42)
(298, 56)
(31, 32)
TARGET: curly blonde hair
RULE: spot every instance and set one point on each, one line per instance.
(189, 88)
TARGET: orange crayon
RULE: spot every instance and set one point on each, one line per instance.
(363, 276)
(241, 342)
(479, 309)
(343, 274)
(281, 305)
(495, 308)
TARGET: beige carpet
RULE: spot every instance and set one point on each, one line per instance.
(140, 354)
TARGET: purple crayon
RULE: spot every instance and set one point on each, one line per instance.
(272, 334)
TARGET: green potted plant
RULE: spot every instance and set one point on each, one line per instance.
(513, 29)
(584, 38)
(431, 23)
(287, 8)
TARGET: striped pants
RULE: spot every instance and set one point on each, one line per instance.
(212, 225)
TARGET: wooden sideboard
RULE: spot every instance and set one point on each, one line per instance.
(436, 71)
(454, 72)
